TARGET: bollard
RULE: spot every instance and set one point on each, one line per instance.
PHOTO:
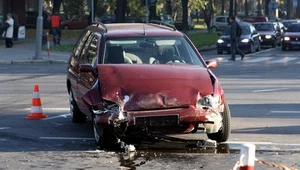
(248, 154)
(48, 43)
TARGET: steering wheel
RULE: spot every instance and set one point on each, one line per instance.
(175, 60)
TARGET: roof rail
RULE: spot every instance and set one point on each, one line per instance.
(162, 23)
(100, 24)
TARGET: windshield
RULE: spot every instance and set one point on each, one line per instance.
(150, 50)
(294, 28)
(264, 27)
(245, 30)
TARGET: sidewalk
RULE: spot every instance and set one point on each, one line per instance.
(23, 52)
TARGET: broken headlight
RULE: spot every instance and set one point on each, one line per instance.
(209, 102)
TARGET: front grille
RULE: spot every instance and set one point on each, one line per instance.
(170, 120)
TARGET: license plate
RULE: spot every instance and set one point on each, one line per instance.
(170, 120)
(228, 45)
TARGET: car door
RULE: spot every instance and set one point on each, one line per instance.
(73, 67)
(221, 22)
(86, 80)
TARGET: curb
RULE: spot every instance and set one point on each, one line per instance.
(207, 48)
(16, 62)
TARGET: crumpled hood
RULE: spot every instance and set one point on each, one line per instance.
(144, 87)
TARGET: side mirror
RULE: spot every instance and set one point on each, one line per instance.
(211, 63)
(87, 68)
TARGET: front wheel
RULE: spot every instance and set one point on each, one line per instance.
(223, 134)
(77, 115)
(104, 137)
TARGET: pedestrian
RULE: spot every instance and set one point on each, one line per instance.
(16, 25)
(8, 27)
(55, 20)
(234, 39)
(207, 20)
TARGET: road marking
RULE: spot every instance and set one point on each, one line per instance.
(53, 109)
(243, 76)
(258, 59)
(284, 60)
(59, 116)
(269, 90)
(3, 128)
(284, 111)
(65, 138)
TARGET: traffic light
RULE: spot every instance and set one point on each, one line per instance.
(150, 2)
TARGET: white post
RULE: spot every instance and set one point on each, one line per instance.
(248, 154)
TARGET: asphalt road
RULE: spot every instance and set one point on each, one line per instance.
(262, 91)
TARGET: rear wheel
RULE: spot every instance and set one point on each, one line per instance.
(213, 29)
(77, 115)
(223, 134)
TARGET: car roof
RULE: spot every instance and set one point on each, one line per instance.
(138, 29)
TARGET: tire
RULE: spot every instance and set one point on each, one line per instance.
(251, 50)
(104, 137)
(77, 115)
(220, 52)
(283, 48)
(66, 27)
(223, 134)
(274, 44)
(213, 29)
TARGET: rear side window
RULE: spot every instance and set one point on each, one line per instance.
(90, 51)
(79, 45)
(220, 19)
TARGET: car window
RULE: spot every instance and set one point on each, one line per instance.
(294, 28)
(150, 50)
(79, 45)
(264, 27)
(89, 53)
(220, 19)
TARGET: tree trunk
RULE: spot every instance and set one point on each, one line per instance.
(121, 10)
(184, 15)
(230, 7)
(289, 9)
(56, 5)
(169, 7)
(152, 12)
(259, 8)
(223, 7)
(246, 8)
(267, 11)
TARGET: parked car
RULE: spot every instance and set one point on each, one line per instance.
(249, 41)
(269, 32)
(31, 19)
(287, 23)
(219, 23)
(142, 82)
(77, 22)
(253, 19)
(291, 37)
(178, 23)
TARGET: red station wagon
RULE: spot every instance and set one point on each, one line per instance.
(143, 82)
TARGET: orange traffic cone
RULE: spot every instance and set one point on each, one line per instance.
(36, 105)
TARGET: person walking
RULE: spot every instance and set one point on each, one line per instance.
(55, 20)
(16, 25)
(8, 31)
(207, 20)
(234, 39)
